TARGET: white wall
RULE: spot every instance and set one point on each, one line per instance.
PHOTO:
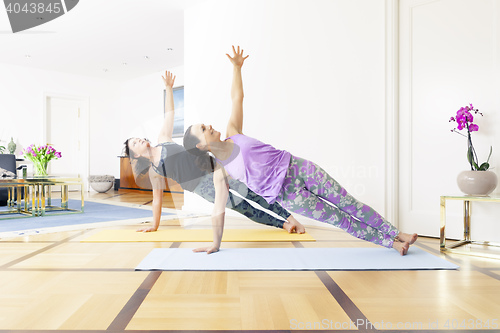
(449, 58)
(141, 105)
(117, 110)
(21, 109)
(314, 82)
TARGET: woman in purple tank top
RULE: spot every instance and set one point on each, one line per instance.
(299, 185)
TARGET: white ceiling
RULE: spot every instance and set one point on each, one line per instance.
(102, 38)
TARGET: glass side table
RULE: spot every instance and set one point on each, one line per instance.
(453, 248)
(42, 194)
(37, 197)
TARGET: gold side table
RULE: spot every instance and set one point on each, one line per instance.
(467, 220)
(15, 189)
(43, 195)
(37, 196)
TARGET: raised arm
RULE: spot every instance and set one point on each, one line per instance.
(168, 124)
(235, 124)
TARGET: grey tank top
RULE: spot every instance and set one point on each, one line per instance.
(176, 163)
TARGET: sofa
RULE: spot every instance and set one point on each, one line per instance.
(7, 162)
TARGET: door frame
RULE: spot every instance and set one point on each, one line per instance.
(408, 213)
(392, 86)
(84, 134)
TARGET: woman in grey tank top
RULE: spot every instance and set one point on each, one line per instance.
(169, 159)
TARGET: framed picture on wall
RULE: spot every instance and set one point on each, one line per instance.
(179, 111)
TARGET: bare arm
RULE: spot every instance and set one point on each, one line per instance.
(219, 212)
(235, 124)
(168, 124)
(158, 183)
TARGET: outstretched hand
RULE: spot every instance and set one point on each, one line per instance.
(168, 79)
(150, 229)
(208, 249)
(237, 59)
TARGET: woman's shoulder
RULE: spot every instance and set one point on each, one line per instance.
(232, 137)
(167, 143)
(171, 147)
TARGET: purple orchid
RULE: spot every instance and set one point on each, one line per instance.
(464, 120)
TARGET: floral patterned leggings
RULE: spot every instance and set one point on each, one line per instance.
(309, 191)
(206, 190)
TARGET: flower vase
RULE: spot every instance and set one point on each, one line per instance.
(477, 183)
(40, 168)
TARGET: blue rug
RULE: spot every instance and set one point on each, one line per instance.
(93, 212)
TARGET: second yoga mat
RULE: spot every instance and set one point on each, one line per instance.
(198, 235)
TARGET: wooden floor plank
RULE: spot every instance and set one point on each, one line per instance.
(45, 300)
(53, 282)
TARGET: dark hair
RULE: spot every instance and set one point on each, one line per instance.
(190, 141)
(140, 165)
(203, 159)
(126, 149)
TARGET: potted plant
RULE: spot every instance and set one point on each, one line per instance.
(102, 183)
(478, 180)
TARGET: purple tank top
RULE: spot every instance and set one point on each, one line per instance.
(260, 166)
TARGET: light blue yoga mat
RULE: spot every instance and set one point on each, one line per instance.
(93, 212)
(291, 259)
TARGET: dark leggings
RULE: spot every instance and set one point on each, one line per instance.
(206, 190)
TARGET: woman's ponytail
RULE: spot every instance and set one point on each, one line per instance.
(204, 160)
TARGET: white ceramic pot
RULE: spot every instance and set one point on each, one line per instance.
(480, 183)
(101, 187)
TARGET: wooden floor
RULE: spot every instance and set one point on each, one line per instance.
(54, 282)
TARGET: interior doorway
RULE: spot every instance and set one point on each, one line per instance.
(66, 129)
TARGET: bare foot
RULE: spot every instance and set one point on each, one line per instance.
(299, 228)
(407, 237)
(402, 248)
(289, 227)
